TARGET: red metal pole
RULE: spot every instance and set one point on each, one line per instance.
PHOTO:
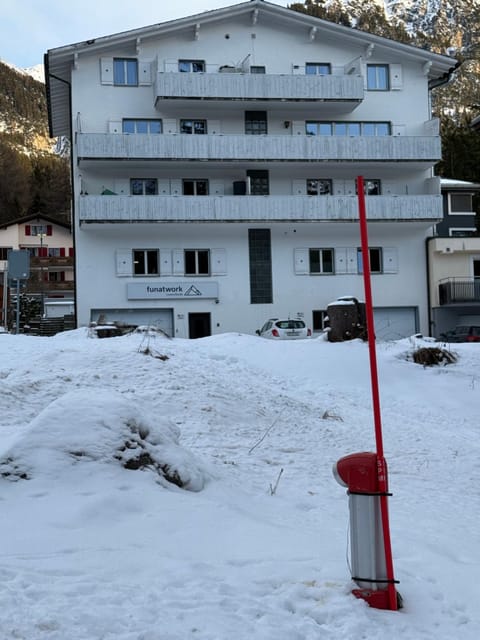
(381, 463)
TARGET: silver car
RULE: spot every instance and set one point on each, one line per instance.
(277, 329)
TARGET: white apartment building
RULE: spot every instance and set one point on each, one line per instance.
(215, 160)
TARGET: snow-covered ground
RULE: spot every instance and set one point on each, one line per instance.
(91, 550)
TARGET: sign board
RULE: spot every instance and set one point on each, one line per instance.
(18, 264)
(160, 291)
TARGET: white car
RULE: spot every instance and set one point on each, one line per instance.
(277, 329)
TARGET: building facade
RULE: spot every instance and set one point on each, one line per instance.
(454, 260)
(215, 160)
(50, 245)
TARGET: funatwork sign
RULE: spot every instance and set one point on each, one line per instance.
(156, 291)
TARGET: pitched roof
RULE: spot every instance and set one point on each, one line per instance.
(38, 217)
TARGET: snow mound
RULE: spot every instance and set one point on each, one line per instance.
(89, 427)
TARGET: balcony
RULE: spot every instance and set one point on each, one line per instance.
(256, 208)
(459, 291)
(36, 286)
(259, 87)
(263, 148)
(59, 262)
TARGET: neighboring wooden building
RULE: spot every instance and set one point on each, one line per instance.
(49, 243)
(214, 167)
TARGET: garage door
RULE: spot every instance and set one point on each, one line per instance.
(161, 318)
(393, 323)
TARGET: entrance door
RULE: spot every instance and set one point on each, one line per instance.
(199, 325)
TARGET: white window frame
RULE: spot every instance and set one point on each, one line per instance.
(377, 84)
(460, 213)
(321, 257)
(143, 181)
(125, 63)
(190, 64)
(147, 121)
(195, 182)
(196, 272)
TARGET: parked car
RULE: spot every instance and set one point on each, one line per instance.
(284, 329)
(462, 333)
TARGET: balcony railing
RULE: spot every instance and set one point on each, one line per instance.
(36, 286)
(247, 86)
(263, 148)
(255, 208)
(47, 262)
(459, 291)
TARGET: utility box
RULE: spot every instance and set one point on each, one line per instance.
(346, 320)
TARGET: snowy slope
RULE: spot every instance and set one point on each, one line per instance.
(92, 551)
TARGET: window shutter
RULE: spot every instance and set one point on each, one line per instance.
(71, 252)
(114, 126)
(213, 126)
(299, 187)
(176, 187)
(62, 276)
(178, 268)
(62, 252)
(49, 230)
(165, 262)
(218, 262)
(390, 260)
(341, 260)
(352, 264)
(144, 73)
(298, 128)
(124, 262)
(106, 70)
(169, 125)
(396, 77)
(300, 257)
(27, 230)
(216, 188)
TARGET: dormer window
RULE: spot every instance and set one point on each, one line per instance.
(191, 66)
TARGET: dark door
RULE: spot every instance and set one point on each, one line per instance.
(199, 325)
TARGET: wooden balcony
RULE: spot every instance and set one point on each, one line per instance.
(256, 208)
(259, 87)
(50, 262)
(263, 148)
(37, 286)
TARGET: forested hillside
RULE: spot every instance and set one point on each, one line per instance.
(33, 178)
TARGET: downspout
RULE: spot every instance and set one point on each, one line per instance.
(429, 306)
(72, 181)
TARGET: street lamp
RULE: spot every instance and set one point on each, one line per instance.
(42, 236)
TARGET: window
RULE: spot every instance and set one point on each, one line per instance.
(375, 254)
(141, 126)
(260, 266)
(191, 66)
(257, 69)
(319, 187)
(318, 68)
(259, 184)
(195, 187)
(143, 186)
(145, 262)
(4, 252)
(56, 276)
(38, 229)
(370, 187)
(256, 122)
(125, 72)
(321, 261)
(55, 252)
(461, 232)
(377, 77)
(460, 203)
(193, 126)
(197, 262)
(313, 128)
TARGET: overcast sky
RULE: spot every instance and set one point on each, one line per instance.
(28, 28)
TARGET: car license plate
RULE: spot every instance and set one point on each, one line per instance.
(293, 333)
